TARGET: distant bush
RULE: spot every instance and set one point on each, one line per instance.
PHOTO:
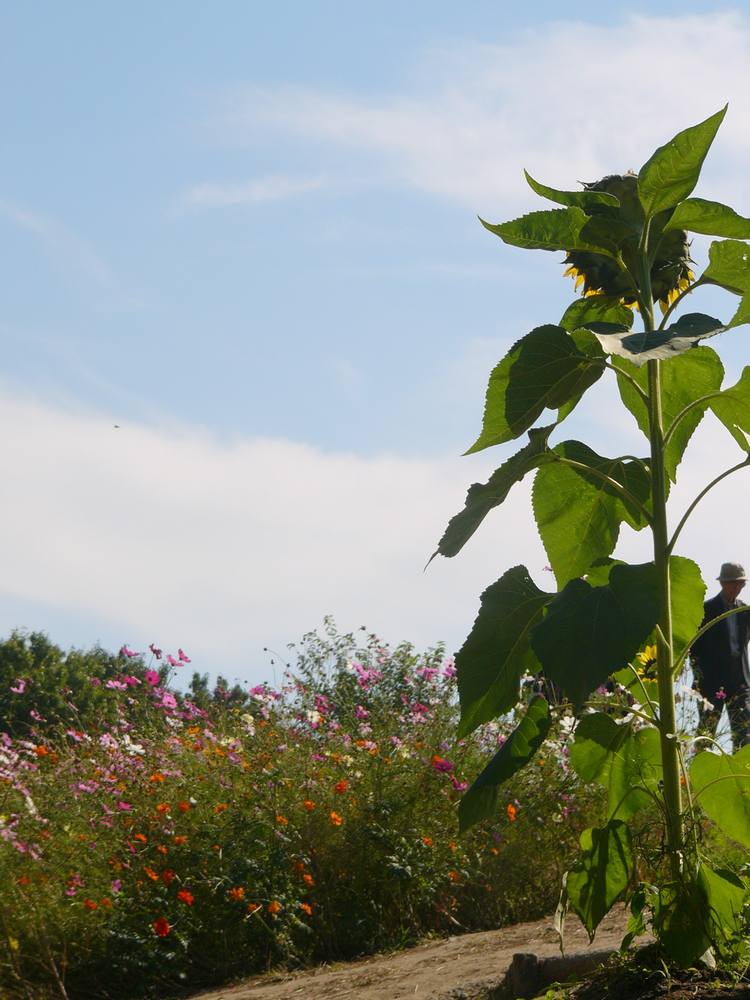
(177, 841)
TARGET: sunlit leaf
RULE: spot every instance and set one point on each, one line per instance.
(602, 874)
(688, 593)
(710, 218)
(672, 172)
(480, 801)
(497, 653)
(589, 632)
(596, 309)
(732, 408)
(555, 229)
(721, 786)
(729, 266)
(578, 513)
(543, 369)
(634, 773)
(597, 738)
(685, 379)
(583, 199)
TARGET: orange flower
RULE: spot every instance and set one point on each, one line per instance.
(306, 908)
(282, 820)
(161, 927)
(299, 866)
(23, 880)
(252, 907)
(180, 839)
(90, 904)
(186, 897)
(427, 841)
(183, 806)
(167, 876)
(41, 751)
(220, 807)
(512, 812)
(341, 786)
(142, 837)
(156, 776)
(162, 849)
(308, 879)
(237, 893)
(494, 850)
(335, 819)
(452, 846)
(151, 874)
(309, 805)
(453, 876)
(274, 907)
(163, 807)
(106, 903)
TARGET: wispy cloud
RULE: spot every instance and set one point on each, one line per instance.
(568, 101)
(61, 241)
(251, 192)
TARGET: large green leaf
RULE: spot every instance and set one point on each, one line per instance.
(596, 309)
(583, 199)
(483, 497)
(578, 513)
(680, 923)
(588, 632)
(721, 785)
(555, 229)
(497, 652)
(602, 874)
(725, 897)
(732, 408)
(597, 738)
(480, 801)
(634, 774)
(688, 593)
(729, 266)
(684, 379)
(662, 345)
(672, 172)
(710, 218)
(543, 369)
(587, 344)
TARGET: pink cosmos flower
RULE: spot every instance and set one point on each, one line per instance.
(125, 651)
(152, 677)
(720, 694)
(360, 712)
(441, 765)
(168, 700)
(20, 686)
(155, 650)
(124, 806)
(183, 656)
(172, 662)
(116, 885)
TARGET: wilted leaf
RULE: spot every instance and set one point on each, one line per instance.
(663, 345)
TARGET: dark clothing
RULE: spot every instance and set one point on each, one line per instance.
(720, 667)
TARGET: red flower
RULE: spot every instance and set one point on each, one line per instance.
(161, 927)
(185, 897)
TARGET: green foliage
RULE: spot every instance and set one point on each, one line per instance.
(611, 641)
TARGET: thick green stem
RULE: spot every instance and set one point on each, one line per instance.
(667, 713)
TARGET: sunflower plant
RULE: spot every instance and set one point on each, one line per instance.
(611, 625)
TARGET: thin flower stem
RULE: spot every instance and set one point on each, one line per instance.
(703, 492)
(609, 480)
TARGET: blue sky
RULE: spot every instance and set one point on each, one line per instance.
(247, 235)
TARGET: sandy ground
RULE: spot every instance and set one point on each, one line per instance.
(438, 969)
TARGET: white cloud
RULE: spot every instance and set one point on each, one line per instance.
(568, 101)
(227, 547)
(251, 192)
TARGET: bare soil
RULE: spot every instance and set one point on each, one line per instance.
(458, 968)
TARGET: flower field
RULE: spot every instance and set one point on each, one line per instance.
(158, 838)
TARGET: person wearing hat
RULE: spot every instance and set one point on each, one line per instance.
(719, 659)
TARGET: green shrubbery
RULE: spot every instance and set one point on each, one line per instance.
(153, 846)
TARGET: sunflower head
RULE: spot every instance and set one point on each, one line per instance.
(647, 662)
(670, 272)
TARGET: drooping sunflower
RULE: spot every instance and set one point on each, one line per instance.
(670, 271)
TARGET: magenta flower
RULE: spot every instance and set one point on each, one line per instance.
(172, 662)
(124, 806)
(116, 885)
(168, 700)
(360, 712)
(152, 677)
(720, 694)
(125, 651)
(441, 765)
(155, 650)
(183, 656)
(20, 686)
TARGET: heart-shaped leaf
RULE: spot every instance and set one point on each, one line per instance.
(602, 874)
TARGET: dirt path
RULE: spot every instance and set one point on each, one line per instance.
(433, 971)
